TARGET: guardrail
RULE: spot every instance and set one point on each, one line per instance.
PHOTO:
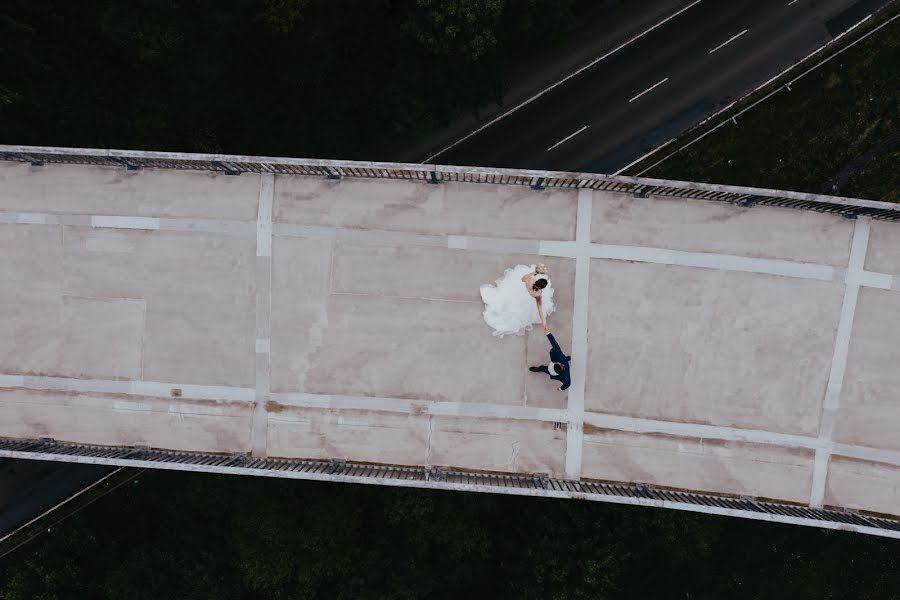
(441, 478)
(336, 169)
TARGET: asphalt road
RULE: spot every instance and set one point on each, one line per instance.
(659, 85)
(30, 487)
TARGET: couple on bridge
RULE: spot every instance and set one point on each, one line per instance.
(518, 300)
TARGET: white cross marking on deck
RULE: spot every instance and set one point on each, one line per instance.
(839, 358)
(575, 428)
(728, 41)
(263, 355)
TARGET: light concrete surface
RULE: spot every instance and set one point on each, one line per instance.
(404, 348)
(863, 485)
(703, 226)
(373, 436)
(127, 420)
(884, 249)
(691, 463)
(199, 293)
(497, 445)
(118, 191)
(367, 436)
(869, 413)
(348, 326)
(503, 211)
(713, 347)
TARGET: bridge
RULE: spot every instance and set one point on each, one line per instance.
(734, 349)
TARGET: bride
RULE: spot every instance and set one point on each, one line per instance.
(518, 300)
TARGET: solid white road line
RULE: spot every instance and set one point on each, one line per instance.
(728, 41)
(558, 83)
(649, 88)
(791, 2)
(567, 138)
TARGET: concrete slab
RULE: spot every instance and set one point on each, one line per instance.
(139, 264)
(706, 226)
(301, 287)
(407, 348)
(199, 292)
(30, 326)
(869, 411)
(884, 248)
(863, 485)
(81, 189)
(30, 253)
(361, 277)
(426, 273)
(705, 346)
(210, 426)
(418, 207)
(101, 338)
(698, 464)
(368, 436)
(498, 445)
(205, 339)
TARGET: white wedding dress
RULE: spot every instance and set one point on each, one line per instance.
(508, 307)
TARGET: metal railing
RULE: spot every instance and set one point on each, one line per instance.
(336, 169)
(437, 477)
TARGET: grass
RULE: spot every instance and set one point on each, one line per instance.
(802, 139)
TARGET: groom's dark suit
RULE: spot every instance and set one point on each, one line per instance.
(557, 355)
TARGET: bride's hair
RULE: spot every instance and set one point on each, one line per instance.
(539, 284)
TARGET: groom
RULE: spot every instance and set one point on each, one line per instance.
(558, 369)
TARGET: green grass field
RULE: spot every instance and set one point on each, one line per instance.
(800, 139)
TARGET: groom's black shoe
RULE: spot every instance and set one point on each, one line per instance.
(534, 369)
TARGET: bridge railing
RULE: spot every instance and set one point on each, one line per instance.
(440, 478)
(336, 169)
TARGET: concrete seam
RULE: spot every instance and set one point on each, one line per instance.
(121, 222)
(575, 406)
(263, 352)
(723, 262)
(843, 335)
(569, 249)
(407, 406)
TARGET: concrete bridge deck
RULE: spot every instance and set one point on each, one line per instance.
(740, 350)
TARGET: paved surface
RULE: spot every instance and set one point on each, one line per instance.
(30, 487)
(715, 348)
(661, 84)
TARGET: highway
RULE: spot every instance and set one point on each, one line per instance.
(658, 85)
